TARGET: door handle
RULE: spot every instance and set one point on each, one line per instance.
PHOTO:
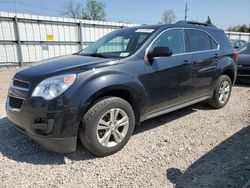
(216, 56)
(186, 63)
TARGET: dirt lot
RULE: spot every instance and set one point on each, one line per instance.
(192, 147)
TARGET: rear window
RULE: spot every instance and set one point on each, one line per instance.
(214, 45)
(223, 40)
(199, 41)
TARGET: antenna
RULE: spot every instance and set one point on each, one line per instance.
(186, 9)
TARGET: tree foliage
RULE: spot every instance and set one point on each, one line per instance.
(240, 28)
(168, 16)
(72, 10)
(93, 10)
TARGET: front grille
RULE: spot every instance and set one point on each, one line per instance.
(21, 84)
(15, 102)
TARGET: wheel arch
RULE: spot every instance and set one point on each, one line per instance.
(230, 73)
(123, 93)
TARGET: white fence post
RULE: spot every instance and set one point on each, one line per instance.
(17, 35)
(80, 36)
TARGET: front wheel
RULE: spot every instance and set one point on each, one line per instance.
(222, 92)
(107, 126)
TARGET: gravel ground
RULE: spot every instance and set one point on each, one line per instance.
(192, 147)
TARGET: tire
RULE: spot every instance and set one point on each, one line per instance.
(223, 82)
(104, 120)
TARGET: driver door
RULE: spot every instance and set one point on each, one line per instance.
(169, 79)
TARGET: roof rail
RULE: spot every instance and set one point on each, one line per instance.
(195, 23)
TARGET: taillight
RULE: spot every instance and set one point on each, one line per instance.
(236, 55)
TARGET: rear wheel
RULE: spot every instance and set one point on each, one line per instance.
(107, 126)
(222, 92)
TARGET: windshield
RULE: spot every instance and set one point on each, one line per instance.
(118, 44)
(245, 49)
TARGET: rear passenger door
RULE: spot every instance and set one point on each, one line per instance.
(205, 54)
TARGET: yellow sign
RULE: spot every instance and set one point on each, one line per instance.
(50, 37)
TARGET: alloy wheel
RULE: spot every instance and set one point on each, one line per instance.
(224, 91)
(112, 127)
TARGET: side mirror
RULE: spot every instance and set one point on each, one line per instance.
(159, 52)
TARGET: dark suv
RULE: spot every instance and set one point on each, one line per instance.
(126, 77)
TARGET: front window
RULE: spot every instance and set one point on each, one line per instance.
(118, 44)
(173, 39)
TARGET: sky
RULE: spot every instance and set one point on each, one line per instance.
(223, 13)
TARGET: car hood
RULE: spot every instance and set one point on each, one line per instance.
(244, 59)
(60, 65)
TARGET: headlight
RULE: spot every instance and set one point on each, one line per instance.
(54, 86)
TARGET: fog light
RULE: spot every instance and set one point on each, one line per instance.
(42, 126)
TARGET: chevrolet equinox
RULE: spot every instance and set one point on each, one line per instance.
(130, 75)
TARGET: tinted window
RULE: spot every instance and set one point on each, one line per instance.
(236, 44)
(245, 49)
(214, 45)
(198, 41)
(242, 43)
(118, 44)
(173, 39)
(222, 39)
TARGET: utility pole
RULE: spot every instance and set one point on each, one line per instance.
(186, 9)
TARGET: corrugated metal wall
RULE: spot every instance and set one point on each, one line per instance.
(8, 51)
(238, 35)
(30, 38)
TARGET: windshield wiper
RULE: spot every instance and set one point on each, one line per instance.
(95, 55)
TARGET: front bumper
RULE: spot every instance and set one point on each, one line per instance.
(59, 145)
(53, 126)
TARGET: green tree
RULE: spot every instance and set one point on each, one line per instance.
(240, 28)
(94, 11)
(243, 28)
(168, 16)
